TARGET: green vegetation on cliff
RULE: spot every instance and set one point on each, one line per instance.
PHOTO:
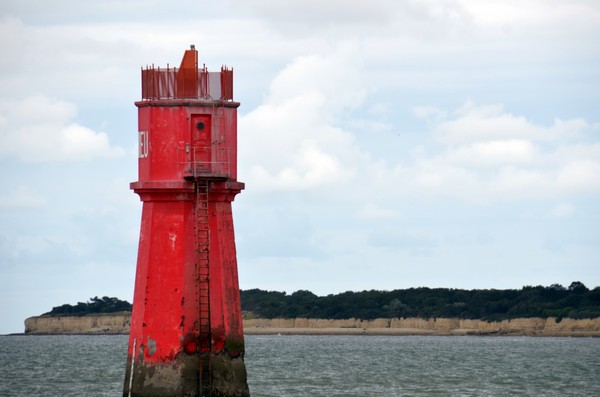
(576, 301)
(94, 306)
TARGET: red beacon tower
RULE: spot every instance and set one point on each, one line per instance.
(186, 336)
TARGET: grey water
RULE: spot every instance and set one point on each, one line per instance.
(327, 366)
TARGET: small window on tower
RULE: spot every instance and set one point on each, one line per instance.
(200, 126)
(143, 144)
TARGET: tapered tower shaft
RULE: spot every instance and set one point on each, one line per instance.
(186, 335)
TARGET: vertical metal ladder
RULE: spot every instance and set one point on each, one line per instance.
(203, 284)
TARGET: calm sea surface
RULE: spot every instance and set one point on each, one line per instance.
(327, 366)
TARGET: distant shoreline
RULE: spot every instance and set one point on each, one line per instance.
(118, 323)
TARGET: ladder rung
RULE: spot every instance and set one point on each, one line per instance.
(203, 272)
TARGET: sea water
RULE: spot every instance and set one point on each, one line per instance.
(327, 366)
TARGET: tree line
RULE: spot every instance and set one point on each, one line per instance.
(575, 301)
(94, 306)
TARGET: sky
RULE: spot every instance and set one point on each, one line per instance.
(385, 144)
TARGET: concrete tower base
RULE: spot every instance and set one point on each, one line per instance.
(182, 377)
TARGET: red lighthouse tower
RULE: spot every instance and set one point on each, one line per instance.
(186, 335)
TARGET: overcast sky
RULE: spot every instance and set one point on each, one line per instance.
(384, 144)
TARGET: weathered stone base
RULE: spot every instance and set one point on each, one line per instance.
(182, 377)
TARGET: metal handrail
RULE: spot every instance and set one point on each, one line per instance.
(163, 83)
(196, 165)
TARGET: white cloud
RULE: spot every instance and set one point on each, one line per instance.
(429, 112)
(492, 123)
(356, 19)
(484, 123)
(310, 16)
(39, 128)
(438, 180)
(489, 154)
(510, 181)
(562, 211)
(332, 81)
(22, 197)
(534, 12)
(581, 175)
(344, 11)
(310, 167)
(576, 152)
(372, 211)
(481, 153)
(509, 151)
(293, 141)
